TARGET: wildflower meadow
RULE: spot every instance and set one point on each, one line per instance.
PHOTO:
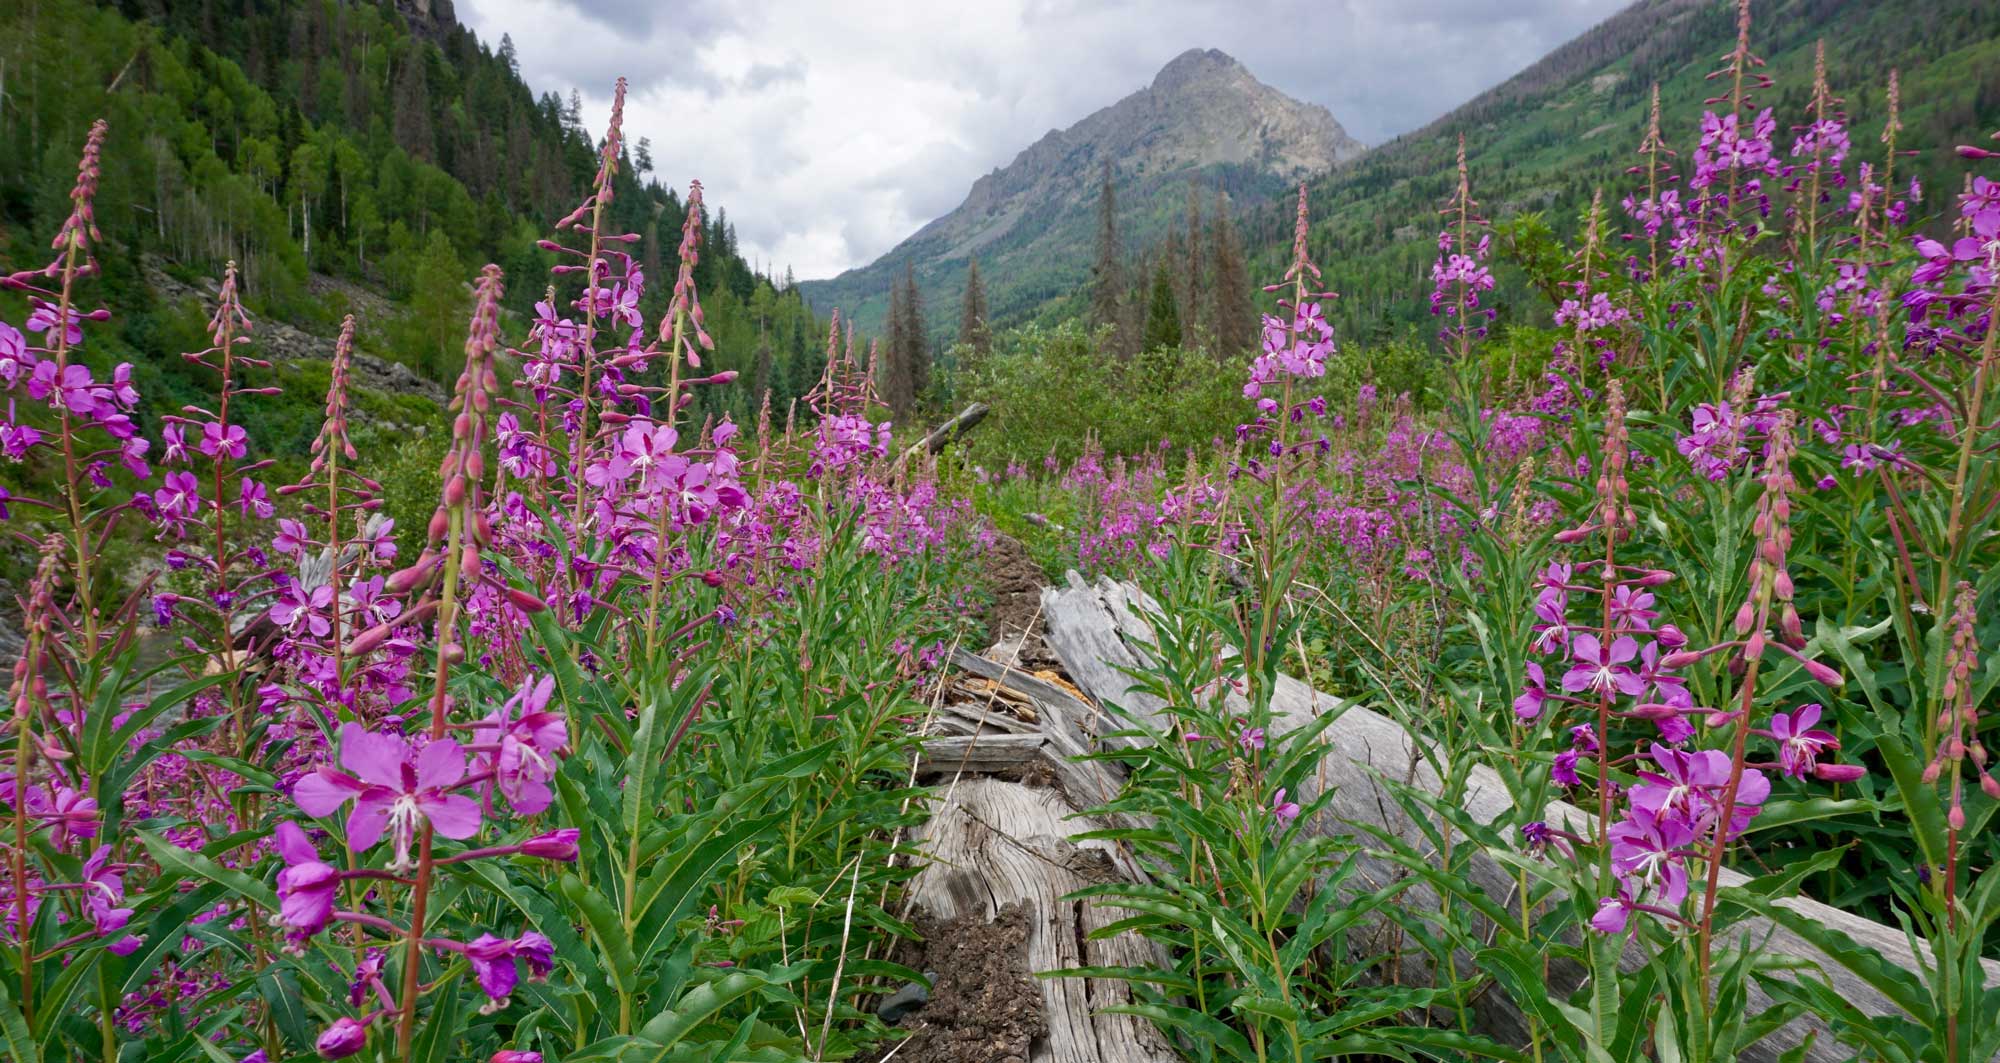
(616, 738)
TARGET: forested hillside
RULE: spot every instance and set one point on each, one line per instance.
(1544, 141)
(336, 151)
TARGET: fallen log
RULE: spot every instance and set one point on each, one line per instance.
(935, 440)
(1097, 629)
(991, 845)
(980, 754)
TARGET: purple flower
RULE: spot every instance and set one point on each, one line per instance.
(179, 496)
(344, 1038)
(254, 500)
(1563, 771)
(1282, 810)
(1799, 744)
(555, 845)
(1646, 849)
(1252, 738)
(215, 439)
(1601, 669)
(48, 319)
(528, 737)
(291, 538)
(394, 788)
(298, 607)
(493, 964)
(538, 952)
(1534, 695)
(14, 356)
(1612, 914)
(306, 887)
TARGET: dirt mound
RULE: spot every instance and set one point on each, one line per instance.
(984, 1006)
(1013, 623)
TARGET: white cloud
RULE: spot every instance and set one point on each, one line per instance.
(832, 129)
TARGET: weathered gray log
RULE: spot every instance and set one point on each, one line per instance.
(984, 753)
(937, 438)
(992, 844)
(1096, 629)
(1069, 724)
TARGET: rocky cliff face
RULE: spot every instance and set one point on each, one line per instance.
(1204, 119)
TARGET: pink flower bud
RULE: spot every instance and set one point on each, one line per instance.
(1655, 577)
(344, 1038)
(525, 602)
(1823, 674)
(403, 581)
(1574, 535)
(1992, 788)
(1956, 817)
(1932, 771)
(508, 1055)
(368, 640)
(555, 845)
(1838, 772)
(1746, 618)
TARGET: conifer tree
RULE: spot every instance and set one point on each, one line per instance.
(1232, 314)
(1107, 285)
(1163, 319)
(915, 357)
(972, 330)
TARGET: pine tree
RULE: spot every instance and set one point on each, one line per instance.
(1106, 284)
(1232, 314)
(890, 378)
(916, 355)
(413, 109)
(972, 329)
(1163, 319)
(1193, 280)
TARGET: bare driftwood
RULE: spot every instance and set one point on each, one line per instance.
(937, 438)
(991, 844)
(947, 754)
(1096, 629)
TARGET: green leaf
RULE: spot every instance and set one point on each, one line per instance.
(174, 859)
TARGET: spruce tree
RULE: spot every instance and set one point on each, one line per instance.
(1106, 284)
(916, 353)
(1232, 314)
(972, 330)
(1163, 319)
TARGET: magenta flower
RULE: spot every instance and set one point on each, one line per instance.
(395, 788)
(291, 538)
(1534, 695)
(103, 892)
(48, 319)
(554, 845)
(342, 1039)
(179, 496)
(14, 356)
(1647, 849)
(216, 439)
(254, 500)
(1282, 810)
(1601, 669)
(527, 737)
(1251, 739)
(300, 608)
(1613, 913)
(306, 887)
(1799, 744)
(493, 964)
(71, 814)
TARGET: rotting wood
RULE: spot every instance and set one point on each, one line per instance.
(1097, 629)
(935, 440)
(993, 843)
(981, 753)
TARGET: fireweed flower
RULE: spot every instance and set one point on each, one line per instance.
(395, 789)
(526, 737)
(1799, 743)
(306, 887)
(1602, 669)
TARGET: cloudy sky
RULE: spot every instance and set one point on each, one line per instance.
(832, 129)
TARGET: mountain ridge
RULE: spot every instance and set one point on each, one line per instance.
(1204, 118)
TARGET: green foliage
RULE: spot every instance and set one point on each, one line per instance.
(1054, 390)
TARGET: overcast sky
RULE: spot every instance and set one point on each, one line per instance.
(832, 129)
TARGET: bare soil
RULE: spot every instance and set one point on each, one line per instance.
(984, 1006)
